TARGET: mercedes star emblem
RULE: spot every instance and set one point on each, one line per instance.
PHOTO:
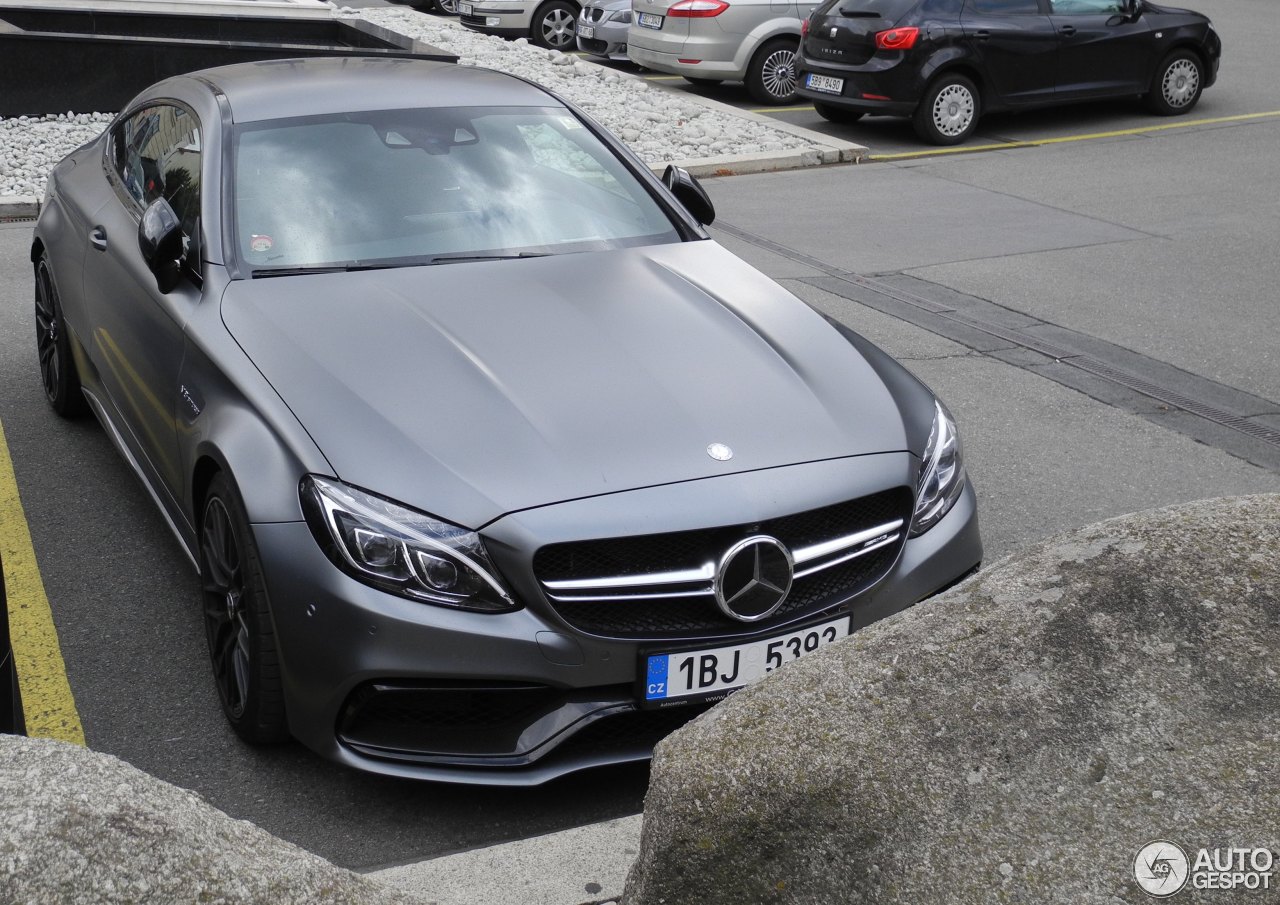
(719, 452)
(754, 578)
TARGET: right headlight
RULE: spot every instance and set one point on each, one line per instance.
(942, 477)
(400, 550)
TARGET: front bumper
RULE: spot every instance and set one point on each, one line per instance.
(406, 689)
(504, 19)
(609, 39)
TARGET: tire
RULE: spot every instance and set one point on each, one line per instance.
(553, 26)
(53, 347)
(237, 619)
(703, 83)
(836, 114)
(1177, 84)
(448, 7)
(949, 111)
(771, 76)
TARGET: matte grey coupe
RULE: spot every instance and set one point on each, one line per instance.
(493, 464)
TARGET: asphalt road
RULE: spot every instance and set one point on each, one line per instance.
(1089, 310)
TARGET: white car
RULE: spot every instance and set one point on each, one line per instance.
(711, 41)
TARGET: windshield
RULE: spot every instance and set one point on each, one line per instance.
(424, 186)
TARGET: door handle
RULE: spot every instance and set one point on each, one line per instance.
(1068, 30)
(98, 238)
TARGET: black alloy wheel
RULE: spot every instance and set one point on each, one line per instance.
(949, 111)
(555, 26)
(833, 114)
(1177, 84)
(57, 368)
(771, 77)
(237, 619)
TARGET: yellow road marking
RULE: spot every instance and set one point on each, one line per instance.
(48, 706)
(661, 78)
(780, 109)
(1040, 142)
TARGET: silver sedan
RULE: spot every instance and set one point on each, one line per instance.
(710, 41)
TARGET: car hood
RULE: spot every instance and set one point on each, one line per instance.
(472, 390)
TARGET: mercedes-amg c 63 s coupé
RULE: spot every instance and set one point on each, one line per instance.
(493, 464)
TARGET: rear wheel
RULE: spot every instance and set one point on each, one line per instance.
(836, 114)
(237, 619)
(553, 26)
(771, 77)
(53, 346)
(1177, 84)
(949, 111)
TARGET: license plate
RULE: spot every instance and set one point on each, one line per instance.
(649, 20)
(464, 9)
(824, 83)
(586, 31)
(704, 673)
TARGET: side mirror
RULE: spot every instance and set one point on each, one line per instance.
(690, 193)
(160, 239)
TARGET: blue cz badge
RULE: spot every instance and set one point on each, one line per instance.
(655, 684)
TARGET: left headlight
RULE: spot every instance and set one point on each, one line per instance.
(942, 477)
(623, 18)
(400, 550)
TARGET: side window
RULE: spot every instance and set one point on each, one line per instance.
(942, 7)
(157, 154)
(1006, 7)
(1086, 7)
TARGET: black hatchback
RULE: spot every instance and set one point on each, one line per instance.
(944, 63)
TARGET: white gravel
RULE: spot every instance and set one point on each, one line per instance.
(659, 125)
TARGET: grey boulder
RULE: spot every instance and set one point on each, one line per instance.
(81, 827)
(1017, 739)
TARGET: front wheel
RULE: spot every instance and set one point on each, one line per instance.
(949, 111)
(53, 346)
(448, 7)
(237, 619)
(553, 26)
(834, 114)
(1177, 84)
(771, 77)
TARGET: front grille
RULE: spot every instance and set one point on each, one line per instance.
(659, 585)
(628, 731)
(593, 14)
(593, 45)
(472, 20)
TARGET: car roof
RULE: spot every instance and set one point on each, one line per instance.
(279, 89)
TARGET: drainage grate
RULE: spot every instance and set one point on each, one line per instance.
(1078, 360)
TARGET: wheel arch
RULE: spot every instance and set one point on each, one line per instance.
(777, 27)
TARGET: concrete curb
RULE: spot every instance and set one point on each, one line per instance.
(18, 207)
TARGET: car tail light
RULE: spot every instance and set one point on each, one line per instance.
(897, 38)
(697, 9)
(804, 28)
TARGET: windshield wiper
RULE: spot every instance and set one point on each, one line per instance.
(334, 268)
(462, 259)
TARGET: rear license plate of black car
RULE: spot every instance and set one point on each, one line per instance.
(824, 83)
